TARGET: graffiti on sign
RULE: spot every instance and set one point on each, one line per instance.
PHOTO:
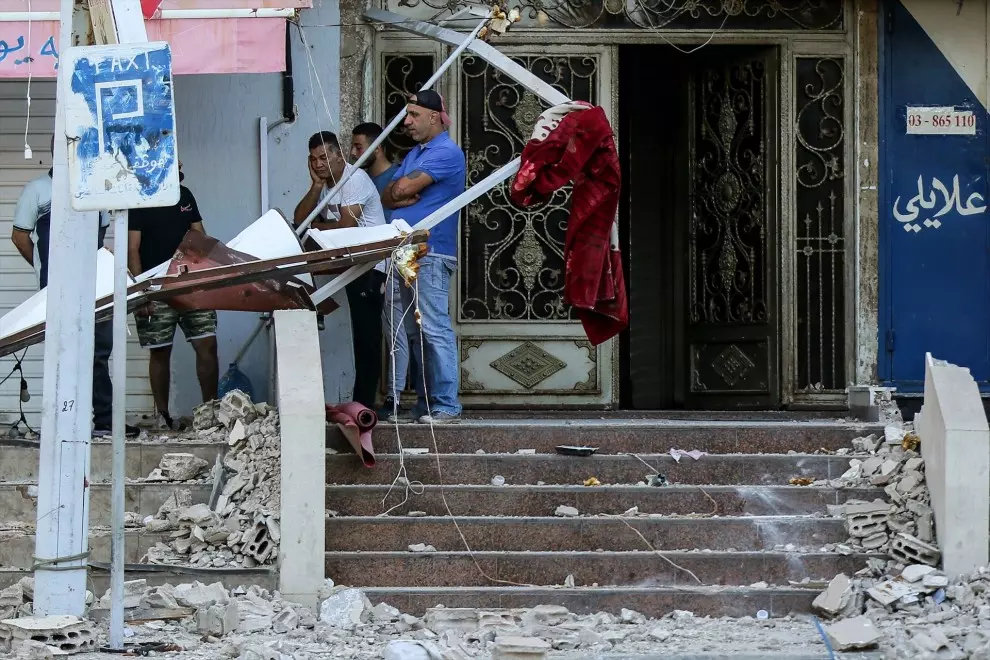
(918, 210)
(122, 116)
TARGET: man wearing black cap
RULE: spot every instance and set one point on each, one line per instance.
(431, 174)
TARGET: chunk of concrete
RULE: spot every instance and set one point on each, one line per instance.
(182, 467)
(256, 614)
(219, 619)
(519, 648)
(908, 549)
(836, 598)
(198, 595)
(916, 572)
(566, 511)
(345, 608)
(852, 634)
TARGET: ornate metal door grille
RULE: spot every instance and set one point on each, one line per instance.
(403, 74)
(732, 235)
(820, 198)
(511, 259)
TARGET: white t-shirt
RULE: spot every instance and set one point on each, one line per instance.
(359, 190)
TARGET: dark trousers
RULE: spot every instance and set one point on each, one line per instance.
(102, 385)
(365, 298)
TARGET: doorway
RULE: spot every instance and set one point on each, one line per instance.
(698, 141)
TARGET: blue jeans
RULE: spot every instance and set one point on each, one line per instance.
(438, 353)
(403, 332)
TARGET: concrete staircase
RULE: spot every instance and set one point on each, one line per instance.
(18, 512)
(731, 518)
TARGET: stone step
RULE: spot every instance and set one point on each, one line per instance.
(16, 504)
(582, 534)
(17, 549)
(544, 500)
(20, 463)
(612, 436)
(650, 601)
(517, 469)
(461, 569)
(98, 580)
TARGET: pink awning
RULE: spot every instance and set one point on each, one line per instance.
(199, 45)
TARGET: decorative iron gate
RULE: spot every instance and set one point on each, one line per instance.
(733, 270)
(519, 345)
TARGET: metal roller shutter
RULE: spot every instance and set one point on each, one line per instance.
(17, 280)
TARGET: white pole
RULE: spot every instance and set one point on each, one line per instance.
(391, 127)
(119, 420)
(63, 495)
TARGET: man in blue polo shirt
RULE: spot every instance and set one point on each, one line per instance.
(431, 174)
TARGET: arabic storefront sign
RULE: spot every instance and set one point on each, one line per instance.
(939, 120)
(199, 45)
(926, 208)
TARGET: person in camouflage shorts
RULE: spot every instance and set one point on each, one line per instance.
(156, 327)
(154, 234)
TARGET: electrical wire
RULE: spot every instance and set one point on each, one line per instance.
(27, 120)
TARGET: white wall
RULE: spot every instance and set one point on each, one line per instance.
(219, 148)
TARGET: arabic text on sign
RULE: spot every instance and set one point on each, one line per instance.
(945, 120)
(918, 207)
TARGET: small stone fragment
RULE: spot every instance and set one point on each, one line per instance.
(566, 511)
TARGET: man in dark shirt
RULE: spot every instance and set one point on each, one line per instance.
(153, 237)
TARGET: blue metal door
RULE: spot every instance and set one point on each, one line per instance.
(934, 238)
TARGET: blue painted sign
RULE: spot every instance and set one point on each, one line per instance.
(122, 116)
(934, 225)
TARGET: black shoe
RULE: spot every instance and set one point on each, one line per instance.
(129, 432)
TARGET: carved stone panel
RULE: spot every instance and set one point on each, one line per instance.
(528, 365)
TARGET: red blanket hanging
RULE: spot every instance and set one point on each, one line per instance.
(581, 149)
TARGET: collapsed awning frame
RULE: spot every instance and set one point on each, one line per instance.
(220, 277)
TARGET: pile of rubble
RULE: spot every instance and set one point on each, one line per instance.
(900, 601)
(903, 528)
(239, 526)
(209, 622)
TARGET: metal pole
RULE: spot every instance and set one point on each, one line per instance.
(119, 420)
(391, 127)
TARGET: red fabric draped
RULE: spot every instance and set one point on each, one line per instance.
(582, 149)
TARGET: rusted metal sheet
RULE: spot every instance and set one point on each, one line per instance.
(199, 252)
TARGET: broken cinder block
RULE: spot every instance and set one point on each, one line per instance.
(863, 520)
(908, 549)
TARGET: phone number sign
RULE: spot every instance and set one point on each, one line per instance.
(940, 120)
(120, 119)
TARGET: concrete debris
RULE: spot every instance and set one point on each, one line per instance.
(178, 467)
(65, 634)
(566, 511)
(852, 634)
(838, 599)
(345, 608)
(421, 547)
(519, 648)
(903, 527)
(241, 529)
